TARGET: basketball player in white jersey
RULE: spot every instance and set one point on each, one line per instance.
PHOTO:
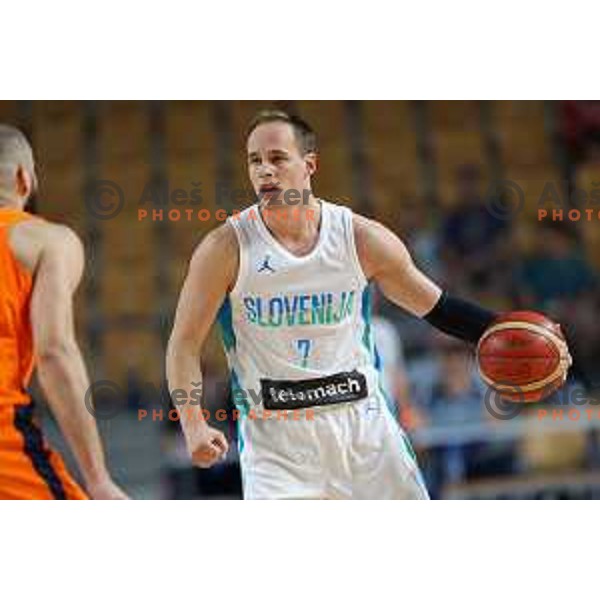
(292, 298)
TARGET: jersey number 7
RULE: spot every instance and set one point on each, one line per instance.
(304, 348)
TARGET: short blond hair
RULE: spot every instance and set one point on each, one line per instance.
(305, 136)
(15, 151)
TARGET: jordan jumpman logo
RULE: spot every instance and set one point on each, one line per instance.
(266, 266)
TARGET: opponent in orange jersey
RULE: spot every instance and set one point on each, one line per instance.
(41, 264)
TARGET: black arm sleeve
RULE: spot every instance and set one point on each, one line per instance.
(460, 318)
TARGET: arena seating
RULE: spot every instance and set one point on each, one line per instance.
(391, 150)
(334, 178)
(588, 180)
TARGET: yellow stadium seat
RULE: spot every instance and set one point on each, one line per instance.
(59, 139)
(115, 118)
(521, 132)
(139, 351)
(62, 186)
(190, 128)
(454, 115)
(529, 113)
(544, 452)
(391, 149)
(130, 288)
(129, 179)
(127, 239)
(8, 112)
(195, 176)
(525, 147)
(535, 182)
(334, 177)
(454, 150)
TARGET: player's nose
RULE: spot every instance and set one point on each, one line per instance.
(265, 170)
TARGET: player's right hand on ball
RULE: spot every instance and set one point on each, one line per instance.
(210, 447)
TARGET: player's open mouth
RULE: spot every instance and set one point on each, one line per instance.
(268, 188)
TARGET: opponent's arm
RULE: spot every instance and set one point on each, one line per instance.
(385, 260)
(60, 366)
(212, 271)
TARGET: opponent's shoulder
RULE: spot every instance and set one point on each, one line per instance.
(39, 230)
(31, 238)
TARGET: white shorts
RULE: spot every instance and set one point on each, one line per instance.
(348, 451)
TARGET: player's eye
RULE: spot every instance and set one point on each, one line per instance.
(254, 160)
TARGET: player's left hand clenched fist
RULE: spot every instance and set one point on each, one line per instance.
(210, 447)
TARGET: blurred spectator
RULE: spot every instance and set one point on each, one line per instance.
(455, 392)
(581, 122)
(471, 235)
(587, 185)
(420, 237)
(455, 398)
(556, 278)
(419, 231)
(592, 149)
(555, 271)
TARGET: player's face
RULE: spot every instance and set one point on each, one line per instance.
(276, 164)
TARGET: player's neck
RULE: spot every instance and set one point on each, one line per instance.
(7, 204)
(300, 225)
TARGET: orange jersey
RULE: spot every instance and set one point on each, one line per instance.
(16, 348)
(28, 468)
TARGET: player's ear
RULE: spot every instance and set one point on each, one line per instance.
(23, 182)
(311, 160)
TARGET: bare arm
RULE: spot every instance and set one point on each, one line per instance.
(212, 272)
(60, 366)
(385, 260)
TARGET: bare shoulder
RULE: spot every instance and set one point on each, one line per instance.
(366, 230)
(218, 254)
(43, 232)
(221, 242)
(30, 239)
(376, 244)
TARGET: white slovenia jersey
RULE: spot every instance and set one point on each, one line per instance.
(297, 330)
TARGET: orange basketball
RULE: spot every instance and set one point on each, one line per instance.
(523, 355)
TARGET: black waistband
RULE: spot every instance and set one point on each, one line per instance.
(281, 394)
